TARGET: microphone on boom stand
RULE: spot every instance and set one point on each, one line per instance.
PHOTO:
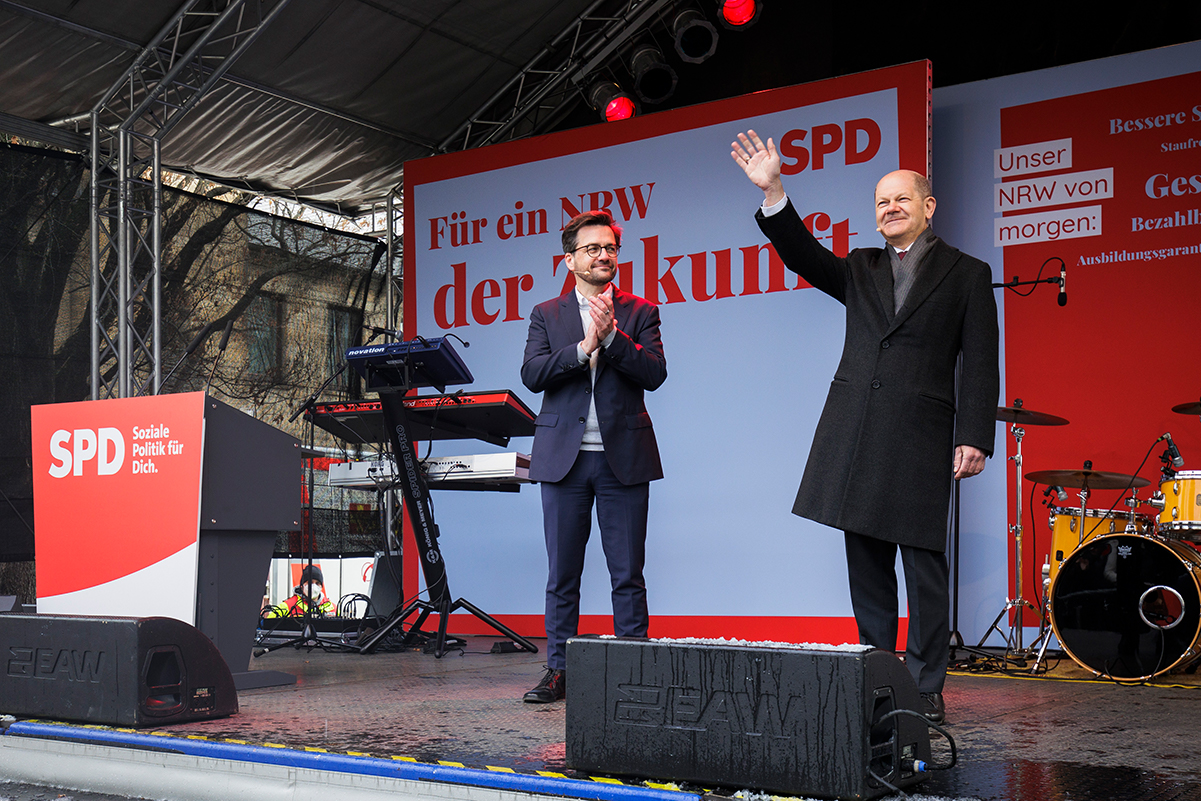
(192, 346)
(229, 327)
(387, 332)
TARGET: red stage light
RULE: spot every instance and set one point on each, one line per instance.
(612, 103)
(619, 108)
(739, 12)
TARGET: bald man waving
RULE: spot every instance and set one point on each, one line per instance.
(897, 427)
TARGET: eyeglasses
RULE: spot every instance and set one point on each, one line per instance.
(594, 249)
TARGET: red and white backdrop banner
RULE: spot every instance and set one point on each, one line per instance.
(1108, 184)
(750, 349)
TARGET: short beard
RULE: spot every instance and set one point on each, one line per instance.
(589, 278)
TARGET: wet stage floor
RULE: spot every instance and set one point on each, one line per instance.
(1019, 738)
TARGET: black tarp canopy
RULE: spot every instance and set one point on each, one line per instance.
(325, 106)
(335, 95)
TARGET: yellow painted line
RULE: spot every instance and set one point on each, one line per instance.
(1093, 680)
(314, 749)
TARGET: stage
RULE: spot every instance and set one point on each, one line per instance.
(461, 720)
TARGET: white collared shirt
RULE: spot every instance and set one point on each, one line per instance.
(592, 436)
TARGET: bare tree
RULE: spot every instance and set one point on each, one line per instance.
(219, 261)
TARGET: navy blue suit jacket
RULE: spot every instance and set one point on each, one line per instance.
(632, 364)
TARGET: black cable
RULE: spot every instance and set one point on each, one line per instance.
(929, 724)
(890, 787)
(987, 664)
(442, 401)
(400, 629)
(1143, 681)
(1036, 573)
(276, 613)
(347, 601)
(1037, 281)
(1126, 489)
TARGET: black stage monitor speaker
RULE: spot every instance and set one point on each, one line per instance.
(785, 720)
(121, 671)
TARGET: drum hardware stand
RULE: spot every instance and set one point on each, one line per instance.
(1044, 622)
(1015, 651)
(1044, 630)
(1013, 641)
(1084, 493)
(1166, 473)
(1132, 502)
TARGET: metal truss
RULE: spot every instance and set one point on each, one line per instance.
(394, 212)
(168, 78)
(552, 81)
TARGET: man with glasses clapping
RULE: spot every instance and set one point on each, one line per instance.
(593, 352)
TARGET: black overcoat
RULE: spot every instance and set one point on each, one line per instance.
(880, 464)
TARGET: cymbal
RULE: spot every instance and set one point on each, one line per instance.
(1092, 479)
(1188, 408)
(1016, 414)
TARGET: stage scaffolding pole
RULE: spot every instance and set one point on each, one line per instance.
(166, 80)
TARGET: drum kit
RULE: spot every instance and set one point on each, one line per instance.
(1121, 590)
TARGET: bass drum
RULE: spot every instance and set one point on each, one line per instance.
(1127, 606)
(1066, 534)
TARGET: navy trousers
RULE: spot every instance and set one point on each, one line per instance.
(621, 512)
(871, 565)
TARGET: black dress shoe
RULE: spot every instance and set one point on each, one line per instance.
(552, 688)
(933, 707)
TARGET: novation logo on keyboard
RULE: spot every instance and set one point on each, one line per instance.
(691, 709)
(366, 350)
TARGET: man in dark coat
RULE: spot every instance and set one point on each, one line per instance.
(895, 429)
(593, 352)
